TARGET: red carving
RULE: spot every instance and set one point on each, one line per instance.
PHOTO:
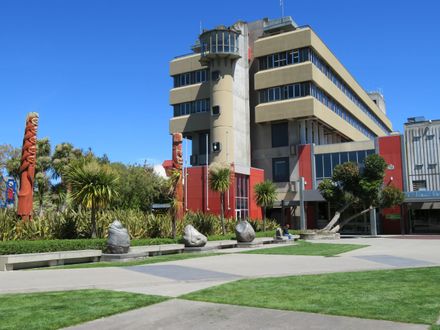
(27, 168)
(177, 166)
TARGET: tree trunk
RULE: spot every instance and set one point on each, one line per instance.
(222, 212)
(343, 223)
(264, 218)
(336, 217)
(93, 218)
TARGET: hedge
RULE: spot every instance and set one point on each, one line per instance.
(39, 246)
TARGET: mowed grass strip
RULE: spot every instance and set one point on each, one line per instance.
(309, 249)
(405, 295)
(147, 261)
(54, 310)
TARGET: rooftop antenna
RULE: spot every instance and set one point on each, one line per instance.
(282, 8)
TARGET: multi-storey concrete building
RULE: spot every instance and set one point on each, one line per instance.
(422, 148)
(251, 96)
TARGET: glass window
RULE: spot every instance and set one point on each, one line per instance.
(361, 157)
(263, 63)
(344, 157)
(202, 143)
(280, 135)
(319, 166)
(263, 96)
(419, 185)
(335, 159)
(352, 156)
(327, 166)
(280, 169)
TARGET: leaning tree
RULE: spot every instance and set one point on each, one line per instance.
(357, 186)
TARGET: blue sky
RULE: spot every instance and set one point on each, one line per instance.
(97, 70)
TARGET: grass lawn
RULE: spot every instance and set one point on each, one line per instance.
(54, 310)
(147, 261)
(405, 295)
(309, 249)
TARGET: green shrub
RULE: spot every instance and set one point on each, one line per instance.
(206, 223)
(39, 246)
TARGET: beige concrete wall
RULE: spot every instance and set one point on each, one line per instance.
(285, 75)
(305, 37)
(342, 147)
(302, 108)
(222, 125)
(331, 59)
(327, 85)
(190, 123)
(282, 42)
(189, 93)
(186, 64)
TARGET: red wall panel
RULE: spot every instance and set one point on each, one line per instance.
(390, 150)
(256, 176)
(305, 164)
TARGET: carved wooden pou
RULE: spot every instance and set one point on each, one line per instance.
(27, 168)
(177, 166)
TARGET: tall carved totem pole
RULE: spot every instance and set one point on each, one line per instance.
(27, 168)
(178, 166)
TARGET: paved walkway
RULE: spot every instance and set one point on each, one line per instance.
(180, 277)
(192, 315)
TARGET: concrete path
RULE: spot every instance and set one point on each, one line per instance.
(180, 277)
(191, 315)
(184, 276)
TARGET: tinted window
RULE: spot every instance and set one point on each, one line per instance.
(280, 169)
(319, 166)
(280, 135)
(327, 166)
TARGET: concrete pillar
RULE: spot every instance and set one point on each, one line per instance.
(373, 223)
(303, 218)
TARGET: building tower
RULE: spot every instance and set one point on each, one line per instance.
(220, 52)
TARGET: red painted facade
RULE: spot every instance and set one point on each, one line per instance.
(196, 190)
(390, 150)
(305, 165)
(256, 176)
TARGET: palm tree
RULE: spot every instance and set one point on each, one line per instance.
(265, 195)
(219, 181)
(93, 186)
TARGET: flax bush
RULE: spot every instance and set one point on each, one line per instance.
(71, 224)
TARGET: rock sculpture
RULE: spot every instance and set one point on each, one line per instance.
(118, 240)
(244, 232)
(192, 238)
(27, 167)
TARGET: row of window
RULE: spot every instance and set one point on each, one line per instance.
(334, 77)
(308, 88)
(284, 92)
(190, 78)
(308, 54)
(219, 42)
(284, 58)
(429, 137)
(325, 163)
(187, 108)
(331, 103)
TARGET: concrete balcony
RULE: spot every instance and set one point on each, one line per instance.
(189, 93)
(190, 123)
